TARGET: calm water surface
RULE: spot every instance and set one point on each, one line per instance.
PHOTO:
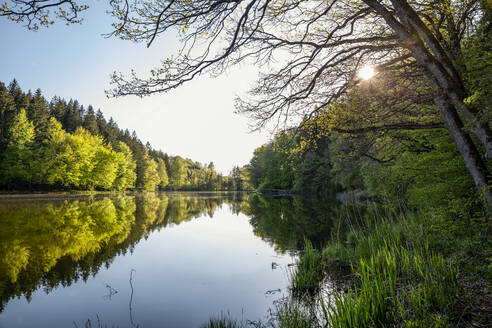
(64, 260)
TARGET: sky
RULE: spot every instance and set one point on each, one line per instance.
(195, 121)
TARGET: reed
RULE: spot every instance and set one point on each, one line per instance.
(308, 274)
(292, 314)
(400, 281)
(223, 321)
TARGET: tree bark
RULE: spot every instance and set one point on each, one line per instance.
(415, 36)
(467, 149)
(449, 100)
(445, 74)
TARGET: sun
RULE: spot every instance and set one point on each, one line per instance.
(366, 72)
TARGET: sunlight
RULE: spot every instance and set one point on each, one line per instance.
(366, 72)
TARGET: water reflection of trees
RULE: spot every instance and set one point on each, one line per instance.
(57, 243)
(286, 221)
(48, 244)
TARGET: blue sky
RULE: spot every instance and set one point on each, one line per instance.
(194, 121)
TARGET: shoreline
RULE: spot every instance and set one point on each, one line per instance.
(74, 194)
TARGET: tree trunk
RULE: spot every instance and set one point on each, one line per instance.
(449, 100)
(480, 128)
(445, 74)
(467, 149)
(415, 36)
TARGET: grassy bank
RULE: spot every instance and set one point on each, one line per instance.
(406, 272)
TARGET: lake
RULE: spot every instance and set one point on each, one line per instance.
(150, 260)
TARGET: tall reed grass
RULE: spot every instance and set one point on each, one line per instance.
(399, 280)
(292, 314)
(308, 273)
(223, 321)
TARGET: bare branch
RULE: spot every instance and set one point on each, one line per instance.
(37, 13)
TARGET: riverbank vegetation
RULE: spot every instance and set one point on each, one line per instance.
(403, 272)
(424, 261)
(384, 268)
(60, 145)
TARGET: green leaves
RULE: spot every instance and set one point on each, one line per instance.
(21, 131)
(18, 155)
(79, 160)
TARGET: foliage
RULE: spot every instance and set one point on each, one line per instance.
(177, 171)
(42, 13)
(18, 154)
(162, 172)
(419, 169)
(281, 164)
(147, 175)
(125, 175)
(435, 181)
(237, 179)
(60, 145)
(476, 62)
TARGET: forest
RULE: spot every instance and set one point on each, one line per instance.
(60, 145)
(418, 170)
(381, 104)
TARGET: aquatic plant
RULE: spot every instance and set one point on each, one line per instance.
(291, 314)
(308, 274)
(400, 280)
(223, 321)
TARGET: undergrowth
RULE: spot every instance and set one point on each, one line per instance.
(406, 272)
(402, 278)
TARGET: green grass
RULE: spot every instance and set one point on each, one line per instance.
(223, 321)
(308, 274)
(398, 286)
(401, 281)
(291, 314)
(401, 277)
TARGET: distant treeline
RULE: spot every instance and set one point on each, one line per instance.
(61, 145)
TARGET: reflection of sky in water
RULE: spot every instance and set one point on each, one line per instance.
(184, 274)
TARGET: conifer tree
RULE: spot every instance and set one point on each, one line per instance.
(20, 99)
(7, 112)
(37, 112)
(57, 108)
(90, 123)
(72, 118)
